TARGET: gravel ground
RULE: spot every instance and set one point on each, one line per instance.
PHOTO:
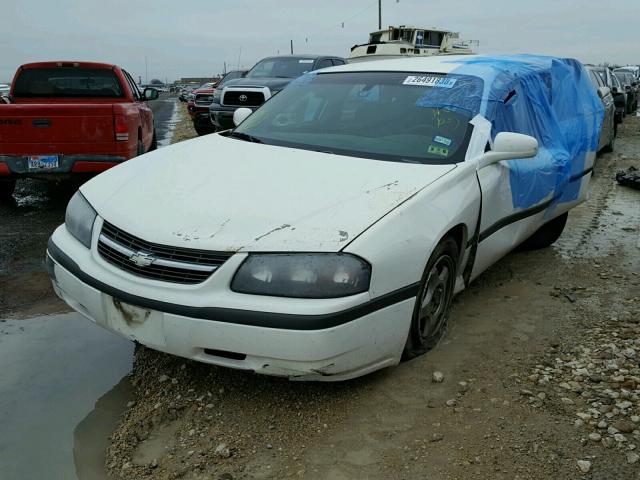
(538, 377)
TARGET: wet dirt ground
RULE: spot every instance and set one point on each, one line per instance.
(491, 417)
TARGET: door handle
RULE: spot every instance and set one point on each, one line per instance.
(41, 122)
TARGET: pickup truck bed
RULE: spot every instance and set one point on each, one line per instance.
(71, 118)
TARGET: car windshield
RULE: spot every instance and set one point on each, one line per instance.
(68, 82)
(622, 78)
(404, 117)
(281, 67)
(230, 76)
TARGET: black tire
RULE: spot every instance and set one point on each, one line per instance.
(140, 148)
(610, 146)
(546, 235)
(154, 142)
(7, 187)
(431, 311)
(200, 130)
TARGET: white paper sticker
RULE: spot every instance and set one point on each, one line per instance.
(430, 81)
(305, 61)
(442, 140)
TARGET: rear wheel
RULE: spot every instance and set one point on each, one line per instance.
(609, 147)
(154, 142)
(7, 187)
(140, 148)
(431, 310)
(546, 235)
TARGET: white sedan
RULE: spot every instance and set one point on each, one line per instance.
(326, 235)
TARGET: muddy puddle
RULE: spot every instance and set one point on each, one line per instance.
(63, 386)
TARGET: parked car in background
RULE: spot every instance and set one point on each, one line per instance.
(609, 129)
(630, 85)
(186, 91)
(72, 119)
(619, 99)
(325, 237)
(4, 89)
(265, 79)
(633, 69)
(202, 98)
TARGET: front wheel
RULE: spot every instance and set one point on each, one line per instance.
(200, 130)
(7, 187)
(433, 302)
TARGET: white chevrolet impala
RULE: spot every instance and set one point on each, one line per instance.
(325, 236)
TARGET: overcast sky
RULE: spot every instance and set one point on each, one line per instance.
(196, 37)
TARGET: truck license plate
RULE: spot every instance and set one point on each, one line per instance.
(43, 162)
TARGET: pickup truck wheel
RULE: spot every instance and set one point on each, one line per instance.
(154, 142)
(200, 130)
(140, 148)
(433, 302)
(546, 235)
(7, 187)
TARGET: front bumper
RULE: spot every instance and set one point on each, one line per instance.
(18, 166)
(291, 346)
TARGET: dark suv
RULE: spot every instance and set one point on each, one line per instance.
(265, 79)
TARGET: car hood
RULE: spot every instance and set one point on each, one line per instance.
(272, 83)
(225, 194)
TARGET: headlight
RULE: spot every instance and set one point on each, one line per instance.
(216, 96)
(302, 275)
(79, 219)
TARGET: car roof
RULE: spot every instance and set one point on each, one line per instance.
(305, 55)
(68, 63)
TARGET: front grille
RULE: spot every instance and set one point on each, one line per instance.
(204, 99)
(165, 263)
(254, 99)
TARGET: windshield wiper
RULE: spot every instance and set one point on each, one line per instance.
(246, 137)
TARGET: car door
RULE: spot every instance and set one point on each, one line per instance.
(609, 111)
(146, 115)
(515, 194)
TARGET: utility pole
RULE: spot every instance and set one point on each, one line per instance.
(379, 14)
(239, 56)
(291, 47)
(146, 71)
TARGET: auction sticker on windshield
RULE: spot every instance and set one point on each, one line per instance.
(43, 162)
(430, 81)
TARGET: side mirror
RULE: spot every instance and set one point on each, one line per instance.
(603, 92)
(510, 146)
(240, 115)
(150, 94)
(614, 90)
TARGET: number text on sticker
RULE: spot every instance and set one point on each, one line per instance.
(430, 81)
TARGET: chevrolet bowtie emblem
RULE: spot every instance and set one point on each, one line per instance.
(142, 259)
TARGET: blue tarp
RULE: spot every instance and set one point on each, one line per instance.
(551, 99)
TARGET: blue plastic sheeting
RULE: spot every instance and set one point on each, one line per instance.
(464, 96)
(551, 99)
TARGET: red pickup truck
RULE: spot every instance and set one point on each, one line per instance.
(71, 118)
